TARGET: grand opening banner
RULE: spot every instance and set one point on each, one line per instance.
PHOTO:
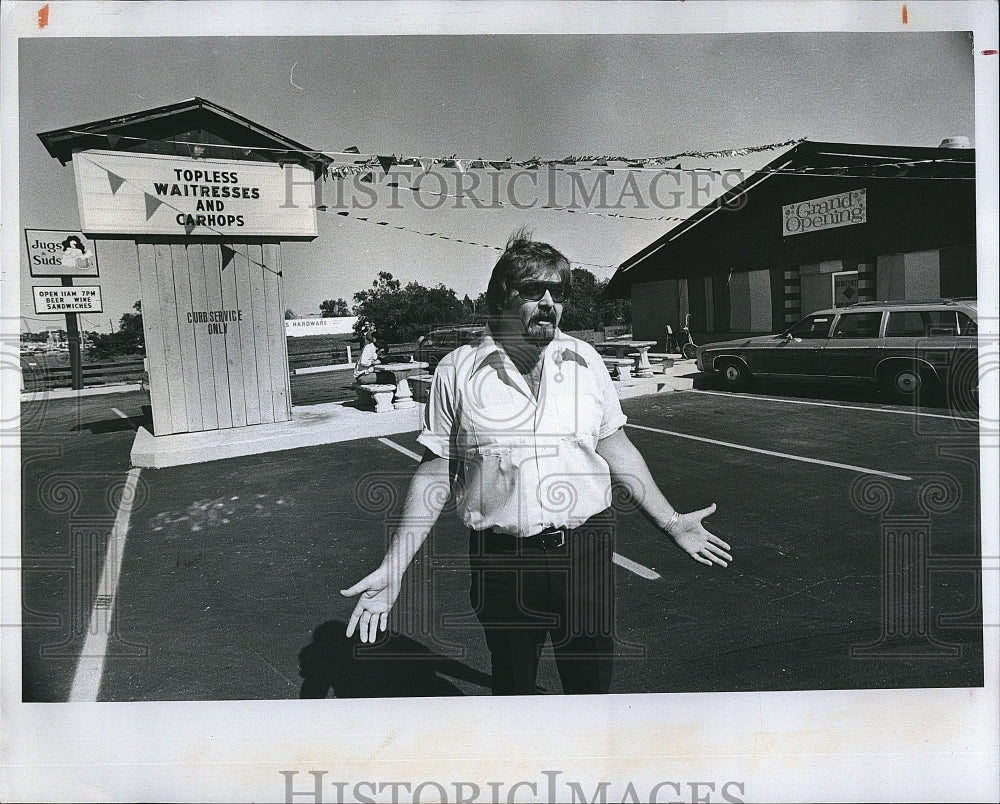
(149, 194)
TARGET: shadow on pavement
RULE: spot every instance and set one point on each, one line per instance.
(395, 666)
(119, 424)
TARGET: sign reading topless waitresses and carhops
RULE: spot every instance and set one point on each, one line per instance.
(150, 194)
(828, 212)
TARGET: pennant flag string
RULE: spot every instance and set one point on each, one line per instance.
(463, 163)
(479, 204)
(655, 164)
(115, 182)
(439, 236)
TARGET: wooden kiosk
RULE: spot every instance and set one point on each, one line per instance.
(207, 197)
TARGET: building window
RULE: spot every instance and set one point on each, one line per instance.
(845, 288)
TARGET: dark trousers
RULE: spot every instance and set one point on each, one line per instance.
(522, 593)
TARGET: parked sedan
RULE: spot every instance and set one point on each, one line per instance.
(905, 347)
(439, 342)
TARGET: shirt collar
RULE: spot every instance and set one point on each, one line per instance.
(489, 352)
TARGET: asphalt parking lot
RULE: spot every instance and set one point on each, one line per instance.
(854, 527)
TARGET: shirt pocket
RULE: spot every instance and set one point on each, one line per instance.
(493, 482)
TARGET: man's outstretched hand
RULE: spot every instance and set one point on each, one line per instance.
(371, 614)
(692, 537)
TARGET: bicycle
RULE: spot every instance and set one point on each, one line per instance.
(689, 348)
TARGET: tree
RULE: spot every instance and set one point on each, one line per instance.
(580, 310)
(612, 311)
(128, 340)
(401, 314)
(333, 308)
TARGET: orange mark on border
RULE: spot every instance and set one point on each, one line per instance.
(906, 15)
(43, 16)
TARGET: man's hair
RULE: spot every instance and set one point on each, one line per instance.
(523, 258)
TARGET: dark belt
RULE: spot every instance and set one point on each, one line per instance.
(548, 539)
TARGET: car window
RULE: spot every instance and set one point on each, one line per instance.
(918, 323)
(858, 325)
(813, 326)
(966, 325)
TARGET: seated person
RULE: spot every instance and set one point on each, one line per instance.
(366, 369)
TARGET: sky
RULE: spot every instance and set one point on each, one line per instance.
(489, 96)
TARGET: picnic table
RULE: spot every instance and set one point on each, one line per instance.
(403, 398)
(622, 348)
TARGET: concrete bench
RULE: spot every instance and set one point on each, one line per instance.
(621, 369)
(421, 386)
(374, 394)
(663, 359)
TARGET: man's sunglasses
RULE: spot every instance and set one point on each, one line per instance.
(533, 291)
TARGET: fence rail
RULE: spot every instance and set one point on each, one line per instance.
(38, 377)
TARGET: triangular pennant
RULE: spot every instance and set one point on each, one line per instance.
(460, 164)
(367, 178)
(352, 150)
(477, 164)
(227, 256)
(189, 227)
(497, 165)
(386, 162)
(425, 164)
(115, 181)
(113, 140)
(152, 204)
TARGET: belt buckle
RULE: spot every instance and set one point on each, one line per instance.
(553, 540)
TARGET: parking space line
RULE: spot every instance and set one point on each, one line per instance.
(744, 447)
(126, 418)
(633, 566)
(825, 404)
(408, 453)
(620, 560)
(90, 668)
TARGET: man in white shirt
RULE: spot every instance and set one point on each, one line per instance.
(525, 428)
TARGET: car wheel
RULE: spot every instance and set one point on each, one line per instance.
(689, 350)
(904, 383)
(735, 375)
